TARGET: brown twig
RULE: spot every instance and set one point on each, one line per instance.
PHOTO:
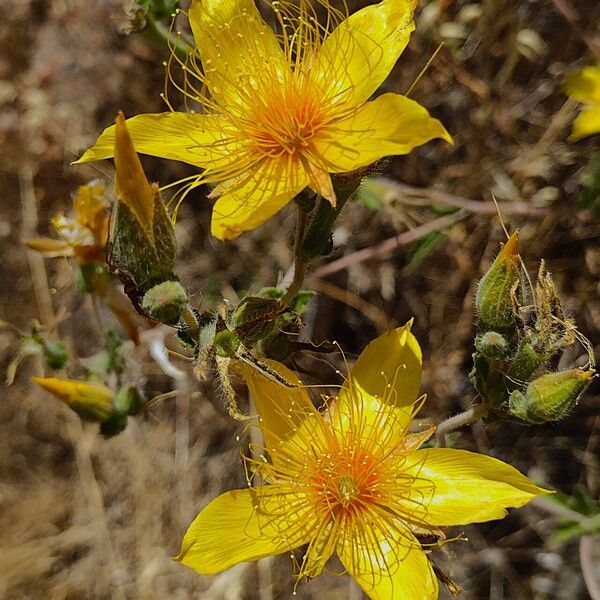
(377, 316)
(571, 15)
(403, 239)
(588, 568)
(404, 193)
(36, 261)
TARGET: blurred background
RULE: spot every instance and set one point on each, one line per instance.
(82, 517)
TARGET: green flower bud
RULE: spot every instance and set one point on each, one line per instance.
(165, 301)
(549, 397)
(255, 319)
(526, 362)
(226, 343)
(492, 344)
(494, 299)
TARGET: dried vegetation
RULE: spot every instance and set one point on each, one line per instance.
(81, 517)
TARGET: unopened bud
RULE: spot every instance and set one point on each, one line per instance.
(255, 318)
(494, 299)
(90, 401)
(526, 362)
(549, 397)
(226, 343)
(492, 344)
(165, 301)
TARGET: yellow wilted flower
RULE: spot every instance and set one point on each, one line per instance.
(284, 109)
(83, 235)
(353, 481)
(584, 85)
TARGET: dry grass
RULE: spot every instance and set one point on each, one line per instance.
(81, 517)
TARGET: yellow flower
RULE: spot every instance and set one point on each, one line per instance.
(584, 85)
(353, 481)
(284, 109)
(84, 235)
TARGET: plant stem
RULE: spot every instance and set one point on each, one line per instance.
(457, 421)
(157, 33)
(299, 263)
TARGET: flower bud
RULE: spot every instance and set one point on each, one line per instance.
(526, 362)
(165, 301)
(90, 401)
(492, 344)
(226, 343)
(549, 397)
(255, 318)
(142, 249)
(494, 299)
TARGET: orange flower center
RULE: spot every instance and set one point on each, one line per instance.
(285, 119)
(346, 483)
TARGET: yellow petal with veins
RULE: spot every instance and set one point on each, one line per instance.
(359, 54)
(244, 525)
(238, 50)
(247, 202)
(390, 125)
(388, 563)
(200, 140)
(457, 487)
(284, 412)
(377, 399)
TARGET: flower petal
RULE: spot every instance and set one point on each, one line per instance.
(195, 139)
(587, 123)
(247, 202)
(390, 125)
(584, 85)
(245, 525)
(457, 487)
(379, 394)
(239, 51)
(287, 418)
(389, 565)
(359, 54)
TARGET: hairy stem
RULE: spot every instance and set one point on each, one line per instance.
(457, 421)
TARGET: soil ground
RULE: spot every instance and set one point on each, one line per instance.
(87, 518)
